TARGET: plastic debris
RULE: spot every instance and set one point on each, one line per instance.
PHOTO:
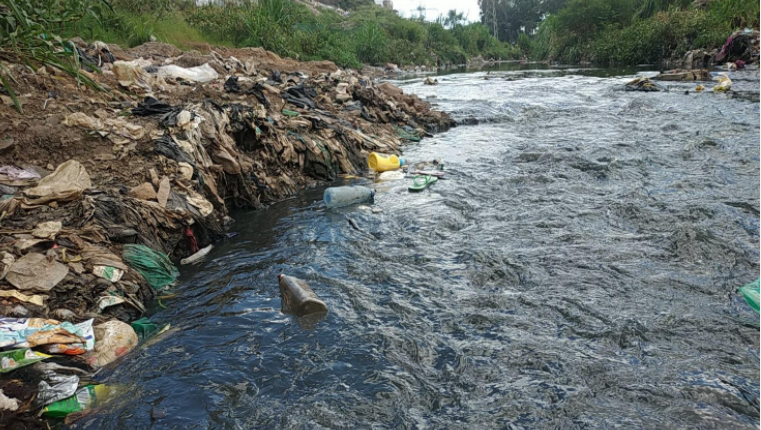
(65, 183)
(130, 74)
(34, 299)
(383, 163)
(724, 85)
(345, 196)
(107, 272)
(35, 272)
(54, 388)
(643, 84)
(47, 230)
(202, 74)
(12, 360)
(391, 175)
(32, 332)
(155, 267)
(144, 327)
(108, 301)
(11, 175)
(113, 339)
(298, 298)
(198, 256)
(85, 398)
(750, 293)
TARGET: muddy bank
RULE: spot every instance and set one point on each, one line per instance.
(91, 181)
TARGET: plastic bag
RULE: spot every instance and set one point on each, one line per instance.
(725, 84)
(85, 398)
(200, 74)
(113, 339)
(31, 332)
(12, 360)
(751, 293)
(63, 386)
(69, 179)
(64, 348)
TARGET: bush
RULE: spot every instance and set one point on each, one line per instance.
(612, 32)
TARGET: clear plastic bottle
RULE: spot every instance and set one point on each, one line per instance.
(344, 196)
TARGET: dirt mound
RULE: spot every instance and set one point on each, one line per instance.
(268, 60)
(155, 50)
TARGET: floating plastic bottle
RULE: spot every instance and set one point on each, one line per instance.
(344, 196)
(383, 163)
(298, 298)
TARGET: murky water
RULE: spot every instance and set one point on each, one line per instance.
(576, 269)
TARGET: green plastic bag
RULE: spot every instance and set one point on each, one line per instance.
(154, 266)
(12, 360)
(751, 293)
(85, 398)
(144, 327)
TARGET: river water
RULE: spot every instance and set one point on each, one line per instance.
(576, 269)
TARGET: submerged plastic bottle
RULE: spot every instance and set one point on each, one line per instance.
(344, 196)
(383, 163)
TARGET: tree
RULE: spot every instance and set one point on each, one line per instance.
(453, 19)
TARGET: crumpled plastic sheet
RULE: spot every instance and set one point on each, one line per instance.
(55, 387)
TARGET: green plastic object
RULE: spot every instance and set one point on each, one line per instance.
(421, 182)
(144, 327)
(155, 267)
(12, 360)
(290, 112)
(85, 398)
(751, 292)
(403, 134)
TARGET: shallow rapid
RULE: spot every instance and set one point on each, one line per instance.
(577, 268)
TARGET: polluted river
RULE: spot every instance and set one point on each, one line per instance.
(576, 268)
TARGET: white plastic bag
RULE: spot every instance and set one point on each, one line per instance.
(200, 74)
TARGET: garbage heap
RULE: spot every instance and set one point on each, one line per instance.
(104, 191)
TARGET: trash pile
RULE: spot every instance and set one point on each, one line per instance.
(102, 193)
(742, 45)
(643, 84)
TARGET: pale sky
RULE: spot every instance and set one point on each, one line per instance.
(438, 7)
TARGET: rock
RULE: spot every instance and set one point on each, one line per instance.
(143, 191)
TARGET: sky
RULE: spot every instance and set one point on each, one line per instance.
(438, 7)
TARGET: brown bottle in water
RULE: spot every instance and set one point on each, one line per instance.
(298, 298)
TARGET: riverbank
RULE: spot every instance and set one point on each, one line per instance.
(158, 158)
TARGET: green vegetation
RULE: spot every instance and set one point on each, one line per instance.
(368, 35)
(616, 31)
(27, 36)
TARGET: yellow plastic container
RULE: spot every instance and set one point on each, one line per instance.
(384, 163)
